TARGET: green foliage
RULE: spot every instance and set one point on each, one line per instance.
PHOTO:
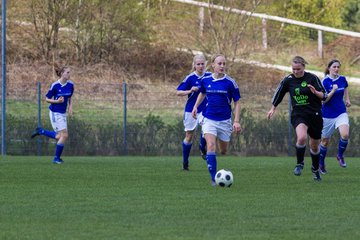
(351, 14)
(153, 136)
(312, 11)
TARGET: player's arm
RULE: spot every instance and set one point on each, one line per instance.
(278, 97)
(347, 98)
(331, 93)
(199, 100)
(53, 101)
(186, 92)
(70, 106)
(318, 89)
(236, 123)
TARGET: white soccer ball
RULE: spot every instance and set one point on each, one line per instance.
(224, 178)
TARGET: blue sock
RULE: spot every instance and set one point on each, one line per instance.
(50, 134)
(202, 145)
(211, 164)
(186, 147)
(59, 150)
(342, 147)
(323, 151)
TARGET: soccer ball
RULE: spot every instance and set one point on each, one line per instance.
(224, 178)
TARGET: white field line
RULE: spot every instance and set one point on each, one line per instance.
(275, 66)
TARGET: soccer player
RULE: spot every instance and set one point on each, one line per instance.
(306, 92)
(59, 97)
(190, 87)
(220, 90)
(334, 112)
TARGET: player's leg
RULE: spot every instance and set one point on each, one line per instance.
(202, 141)
(211, 156)
(323, 151)
(314, 131)
(315, 157)
(343, 142)
(301, 137)
(342, 123)
(189, 127)
(209, 129)
(59, 124)
(326, 133)
(186, 148)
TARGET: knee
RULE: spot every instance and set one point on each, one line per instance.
(345, 136)
(64, 136)
(301, 140)
(325, 142)
(211, 146)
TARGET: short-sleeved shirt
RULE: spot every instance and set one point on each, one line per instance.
(303, 101)
(219, 94)
(193, 80)
(335, 106)
(58, 90)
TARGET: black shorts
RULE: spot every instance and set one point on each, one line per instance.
(314, 122)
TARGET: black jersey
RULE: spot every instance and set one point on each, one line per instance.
(303, 101)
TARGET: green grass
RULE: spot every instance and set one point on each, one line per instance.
(152, 198)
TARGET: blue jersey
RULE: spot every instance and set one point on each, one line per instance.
(193, 80)
(219, 94)
(57, 90)
(335, 106)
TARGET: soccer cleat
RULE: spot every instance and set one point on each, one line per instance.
(298, 168)
(341, 161)
(36, 132)
(58, 161)
(186, 167)
(213, 183)
(316, 175)
(322, 169)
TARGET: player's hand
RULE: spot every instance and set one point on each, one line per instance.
(271, 112)
(237, 127)
(194, 89)
(60, 99)
(312, 89)
(334, 87)
(194, 113)
(347, 103)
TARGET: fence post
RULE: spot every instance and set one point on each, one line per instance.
(264, 34)
(3, 76)
(290, 136)
(38, 140)
(125, 118)
(320, 43)
(201, 21)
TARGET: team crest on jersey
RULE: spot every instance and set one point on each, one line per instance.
(209, 86)
(304, 84)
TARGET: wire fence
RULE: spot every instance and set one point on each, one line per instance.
(131, 119)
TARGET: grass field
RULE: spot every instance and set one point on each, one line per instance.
(152, 198)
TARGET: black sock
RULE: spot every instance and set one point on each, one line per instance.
(315, 157)
(300, 153)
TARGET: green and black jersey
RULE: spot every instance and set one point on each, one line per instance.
(303, 101)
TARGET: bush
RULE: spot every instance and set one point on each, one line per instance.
(154, 137)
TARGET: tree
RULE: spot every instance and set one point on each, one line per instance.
(351, 15)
